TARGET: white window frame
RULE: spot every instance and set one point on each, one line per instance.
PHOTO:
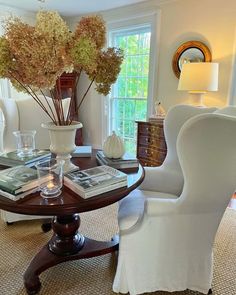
(153, 19)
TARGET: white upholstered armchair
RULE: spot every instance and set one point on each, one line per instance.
(23, 114)
(168, 177)
(166, 240)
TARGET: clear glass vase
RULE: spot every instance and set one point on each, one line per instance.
(52, 172)
(25, 142)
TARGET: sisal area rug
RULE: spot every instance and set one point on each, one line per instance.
(20, 241)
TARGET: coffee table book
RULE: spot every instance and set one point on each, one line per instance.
(94, 181)
(127, 161)
(18, 196)
(19, 179)
(12, 159)
(82, 151)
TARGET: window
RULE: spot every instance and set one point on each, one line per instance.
(129, 96)
(128, 100)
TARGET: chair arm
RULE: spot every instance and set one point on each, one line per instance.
(162, 180)
(161, 207)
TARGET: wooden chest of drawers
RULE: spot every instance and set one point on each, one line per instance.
(151, 145)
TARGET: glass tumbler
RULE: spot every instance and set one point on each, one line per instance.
(25, 142)
(52, 172)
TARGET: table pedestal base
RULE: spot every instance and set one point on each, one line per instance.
(66, 244)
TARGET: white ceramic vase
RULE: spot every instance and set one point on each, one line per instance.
(63, 142)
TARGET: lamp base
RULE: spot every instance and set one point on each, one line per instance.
(196, 98)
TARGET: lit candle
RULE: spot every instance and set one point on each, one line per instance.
(50, 185)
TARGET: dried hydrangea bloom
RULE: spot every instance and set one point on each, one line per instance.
(38, 63)
(5, 58)
(92, 27)
(109, 63)
(51, 24)
(84, 54)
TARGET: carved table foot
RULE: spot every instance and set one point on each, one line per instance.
(66, 244)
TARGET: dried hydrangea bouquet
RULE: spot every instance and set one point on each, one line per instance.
(34, 57)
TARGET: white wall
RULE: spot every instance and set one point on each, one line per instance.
(232, 93)
(91, 114)
(210, 21)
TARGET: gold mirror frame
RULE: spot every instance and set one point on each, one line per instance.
(204, 54)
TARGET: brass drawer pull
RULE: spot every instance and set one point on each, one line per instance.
(148, 153)
(149, 140)
(155, 129)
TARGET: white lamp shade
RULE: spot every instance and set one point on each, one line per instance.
(199, 77)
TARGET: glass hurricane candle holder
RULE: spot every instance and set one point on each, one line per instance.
(51, 188)
(25, 142)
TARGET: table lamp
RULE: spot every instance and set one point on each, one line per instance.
(198, 78)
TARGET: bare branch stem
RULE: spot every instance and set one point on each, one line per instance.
(85, 93)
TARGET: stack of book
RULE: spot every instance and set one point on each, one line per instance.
(95, 181)
(127, 161)
(11, 159)
(20, 181)
(156, 119)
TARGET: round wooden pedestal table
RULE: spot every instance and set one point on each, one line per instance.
(67, 243)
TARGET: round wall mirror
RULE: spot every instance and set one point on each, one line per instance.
(191, 51)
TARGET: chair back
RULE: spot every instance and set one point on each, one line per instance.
(207, 153)
(173, 122)
(229, 110)
(26, 114)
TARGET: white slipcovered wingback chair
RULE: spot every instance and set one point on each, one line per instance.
(23, 114)
(170, 247)
(168, 177)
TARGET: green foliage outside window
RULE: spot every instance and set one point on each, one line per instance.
(129, 95)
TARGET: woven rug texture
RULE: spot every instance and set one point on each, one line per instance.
(22, 240)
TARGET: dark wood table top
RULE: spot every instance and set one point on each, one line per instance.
(69, 202)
